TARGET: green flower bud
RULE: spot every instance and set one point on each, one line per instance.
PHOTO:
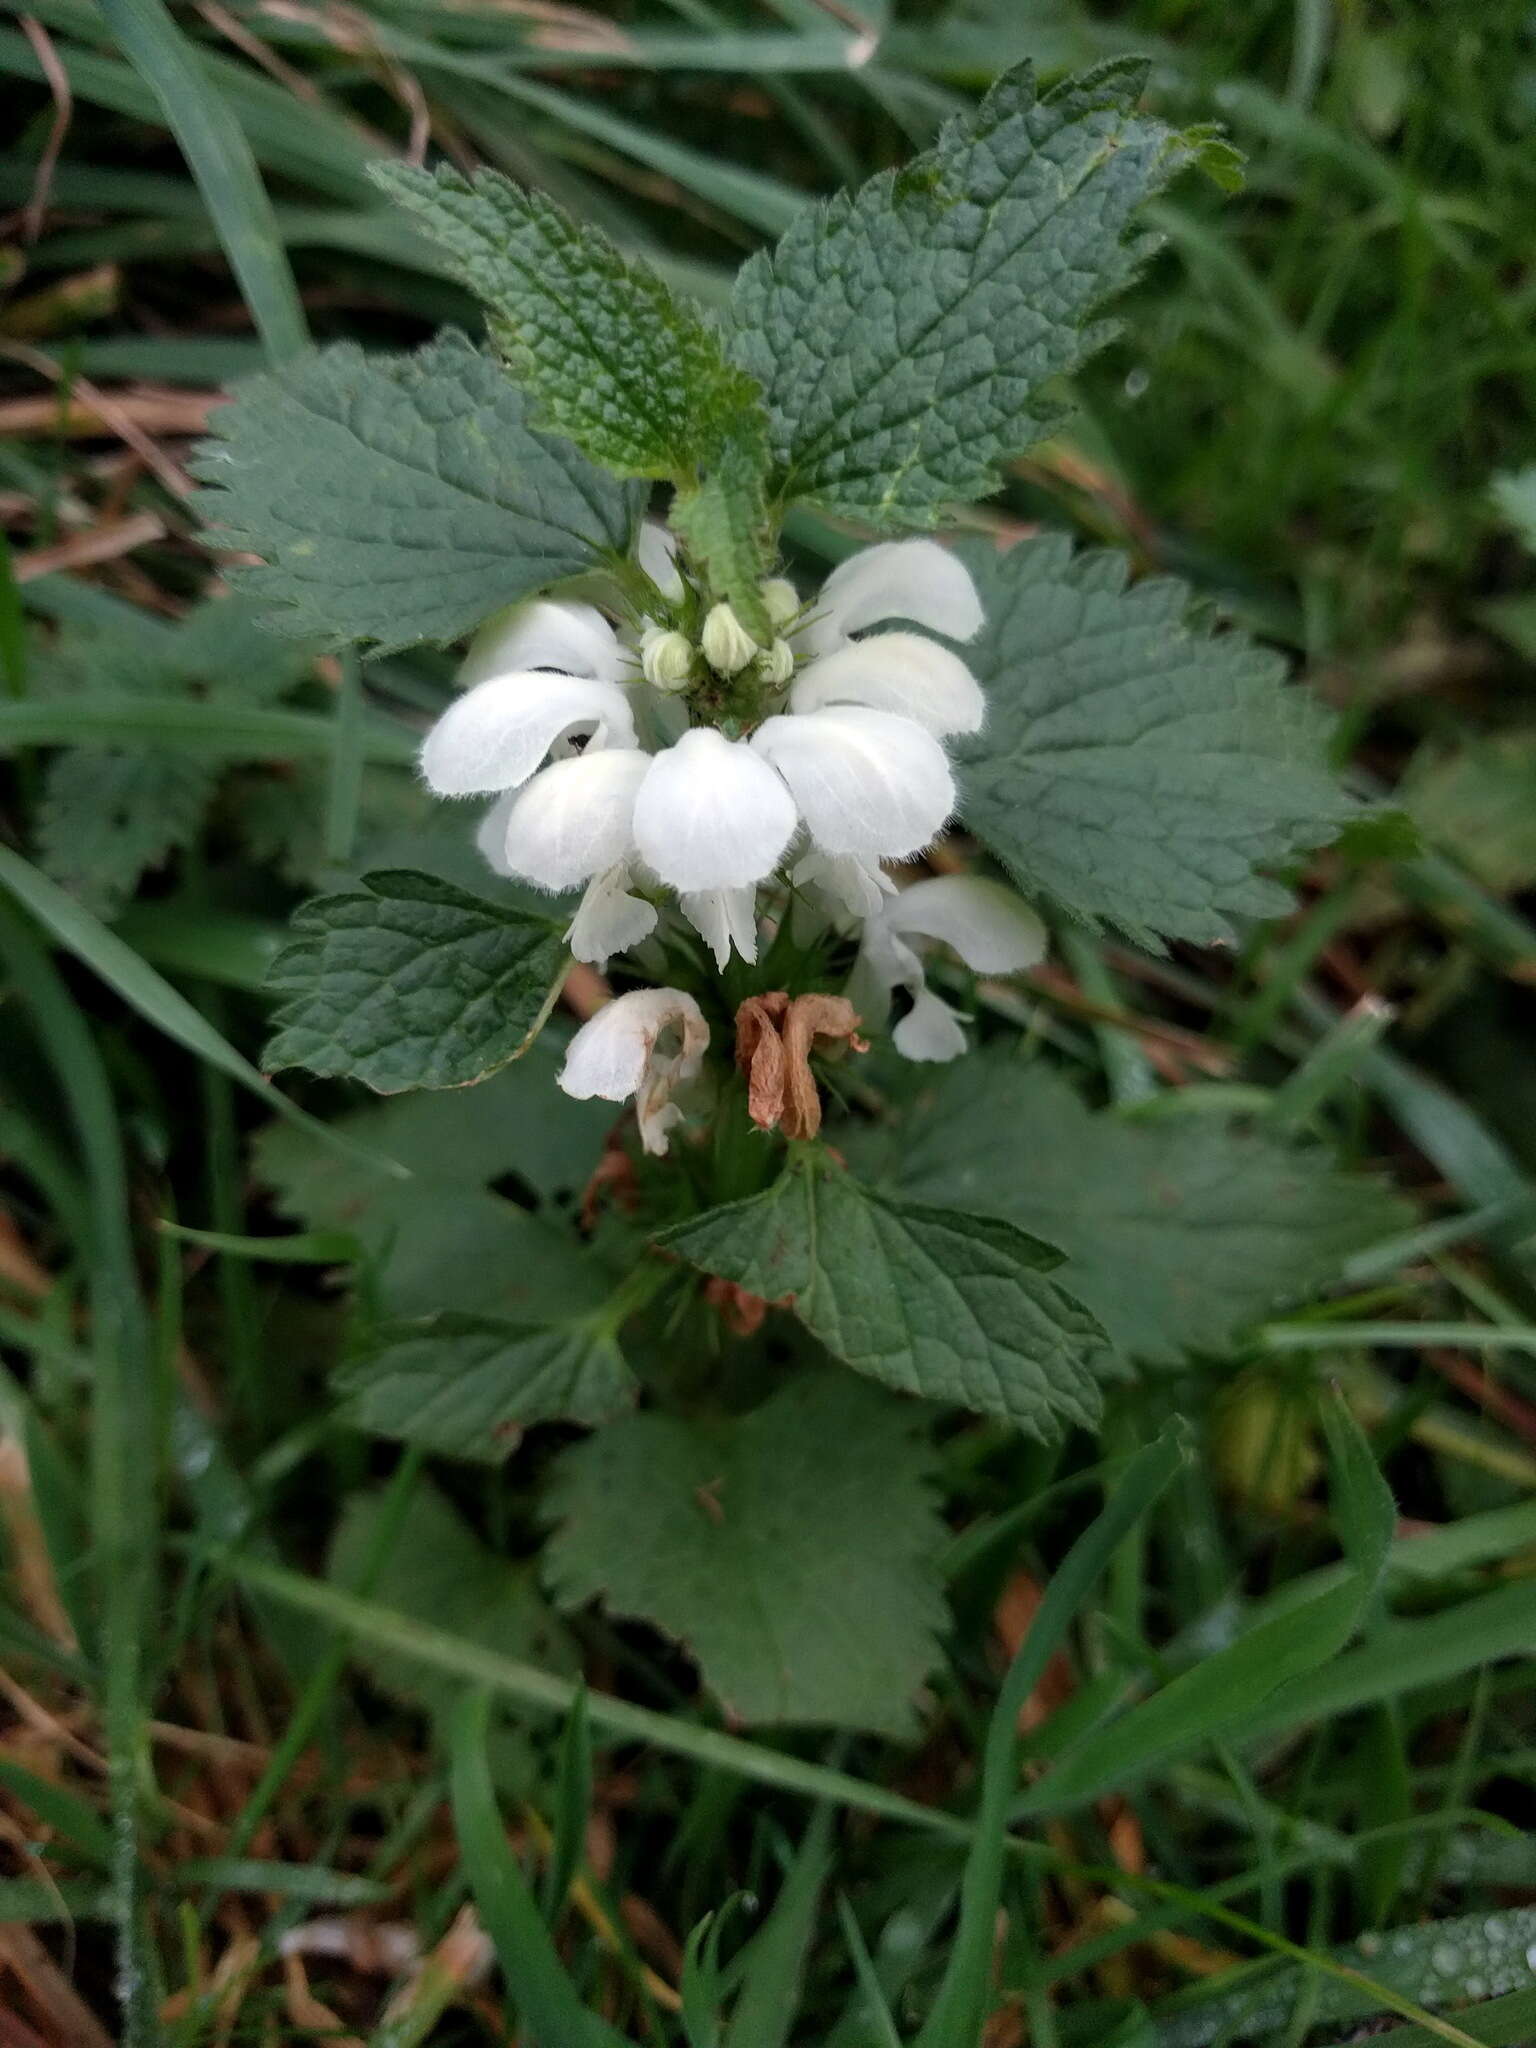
(778, 664)
(666, 660)
(728, 646)
(782, 600)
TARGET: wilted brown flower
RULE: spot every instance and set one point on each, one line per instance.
(775, 1036)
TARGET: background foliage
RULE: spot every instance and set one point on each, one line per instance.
(267, 1594)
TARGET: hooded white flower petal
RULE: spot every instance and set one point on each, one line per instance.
(575, 818)
(657, 553)
(711, 814)
(899, 672)
(615, 1055)
(574, 638)
(609, 920)
(991, 929)
(843, 882)
(898, 579)
(930, 1030)
(867, 782)
(724, 918)
(496, 735)
(491, 832)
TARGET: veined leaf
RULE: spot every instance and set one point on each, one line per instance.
(402, 498)
(723, 524)
(637, 378)
(1137, 769)
(933, 1302)
(109, 814)
(409, 982)
(1178, 1234)
(438, 1570)
(768, 1543)
(906, 335)
(468, 1386)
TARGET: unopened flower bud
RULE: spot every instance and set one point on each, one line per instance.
(781, 599)
(728, 646)
(666, 660)
(778, 664)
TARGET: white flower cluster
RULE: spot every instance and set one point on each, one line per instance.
(607, 779)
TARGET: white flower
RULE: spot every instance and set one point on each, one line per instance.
(991, 929)
(574, 638)
(711, 814)
(609, 919)
(866, 782)
(859, 743)
(844, 883)
(851, 761)
(723, 918)
(898, 579)
(644, 1044)
(498, 734)
(576, 817)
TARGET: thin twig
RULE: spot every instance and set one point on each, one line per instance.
(36, 208)
(123, 415)
(98, 544)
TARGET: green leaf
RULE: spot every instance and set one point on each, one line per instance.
(218, 650)
(1136, 768)
(439, 1571)
(409, 982)
(723, 524)
(401, 498)
(1479, 802)
(952, 1307)
(1179, 1234)
(109, 815)
(467, 1386)
(506, 1263)
(516, 1123)
(612, 360)
(1438, 1963)
(907, 336)
(768, 1543)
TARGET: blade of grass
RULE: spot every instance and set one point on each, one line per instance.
(221, 161)
(124, 1454)
(960, 2009)
(769, 1998)
(153, 997)
(547, 2003)
(544, 1692)
(1217, 1695)
(219, 732)
(323, 1680)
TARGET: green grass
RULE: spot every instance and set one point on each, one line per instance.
(209, 1743)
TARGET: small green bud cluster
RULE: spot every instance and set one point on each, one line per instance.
(670, 661)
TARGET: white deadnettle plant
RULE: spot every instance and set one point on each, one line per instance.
(828, 760)
(724, 777)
